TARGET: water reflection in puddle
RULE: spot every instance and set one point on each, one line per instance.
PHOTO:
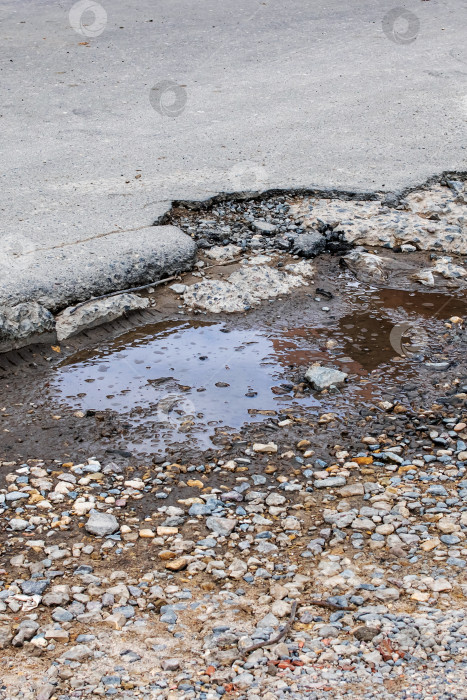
(181, 380)
(181, 373)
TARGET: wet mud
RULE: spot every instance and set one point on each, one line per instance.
(191, 383)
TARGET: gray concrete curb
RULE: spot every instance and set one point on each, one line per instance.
(61, 276)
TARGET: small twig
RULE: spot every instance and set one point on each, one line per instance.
(226, 262)
(325, 604)
(282, 634)
(124, 291)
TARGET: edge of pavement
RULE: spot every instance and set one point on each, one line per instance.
(36, 284)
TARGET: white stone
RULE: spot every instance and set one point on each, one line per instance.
(237, 568)
(280, 608)
(387, 594)
(440, 584)
(363, 524)
(275, 499)
(268, 448)
(323, 377)
(221, 526)
(18, 524)
(373, 658)
(82, 507)
(178, 288)
(96, 312)
(102, 524)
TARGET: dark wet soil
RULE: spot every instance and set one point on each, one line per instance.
(187, 385)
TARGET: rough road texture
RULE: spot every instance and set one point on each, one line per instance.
(275, 95)
(153, 577)
(64, 275)
(204, 557)
(431, 219)
(371, 545)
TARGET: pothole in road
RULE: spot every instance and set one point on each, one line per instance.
(187, 380)
(186, 377)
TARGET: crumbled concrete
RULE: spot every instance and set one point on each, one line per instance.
(449, 270)
(431, 219)
(246, 287)
(323, 377)
(223, 253)
(366, 266)
(72, 321)
(309, 245)
(23, 324)
(370, 267)
(178, 288)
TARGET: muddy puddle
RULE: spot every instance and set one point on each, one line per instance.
(185, 379)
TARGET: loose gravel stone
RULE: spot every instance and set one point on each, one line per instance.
(153, 579)
(102, 524)
(323, 377)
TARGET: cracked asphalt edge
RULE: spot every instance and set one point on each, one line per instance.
(37, 284)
